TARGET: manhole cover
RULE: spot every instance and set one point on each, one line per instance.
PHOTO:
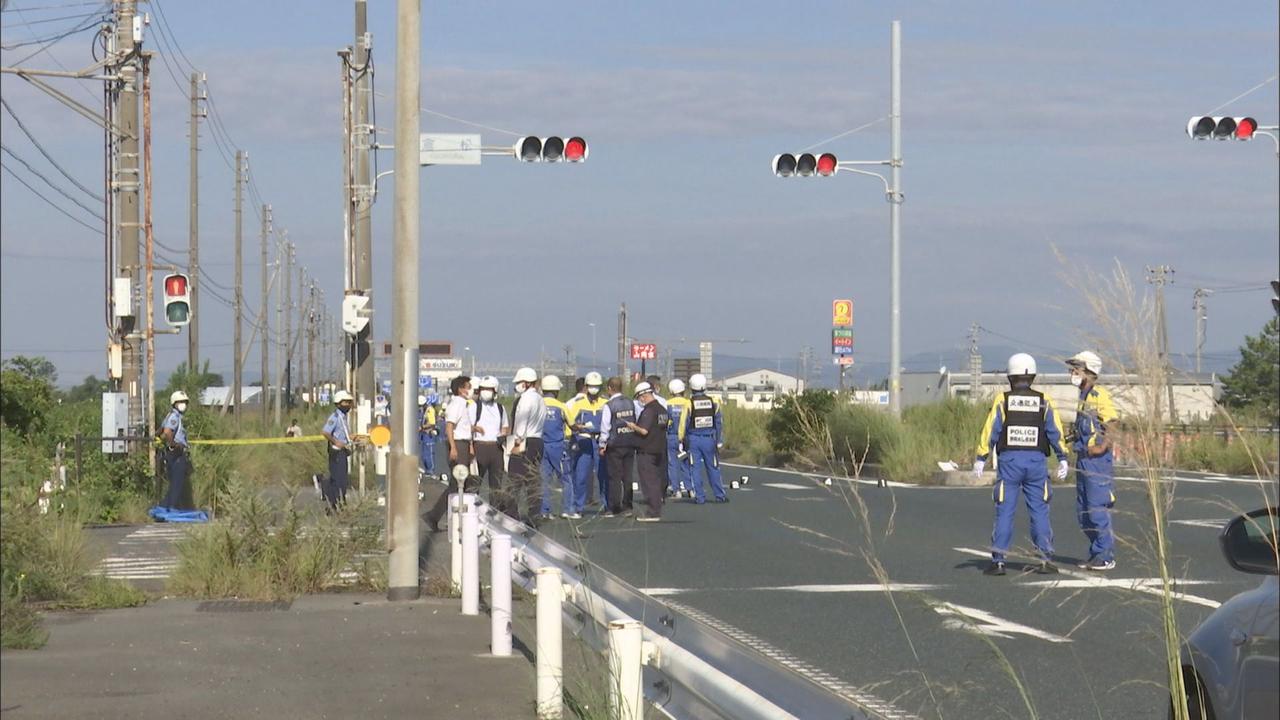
(242, 606)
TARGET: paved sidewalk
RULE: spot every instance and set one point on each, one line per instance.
(325, 656)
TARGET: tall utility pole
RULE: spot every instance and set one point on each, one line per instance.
(402, 482)
(1159, 276)
(362, 203)
(975, 365)
(302, 328)
(193, 223)
(1202, 317)
(622, 342)
(286, 348)
(312, 319)
(895, 217)
(127, 212)
(264, 319)
(237, 371)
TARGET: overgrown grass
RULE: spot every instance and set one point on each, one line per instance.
(1209, 452)
(44, 560)
(266, 549)
(746, 435)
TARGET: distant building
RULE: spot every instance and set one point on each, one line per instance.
(755, 389)
(217, 395)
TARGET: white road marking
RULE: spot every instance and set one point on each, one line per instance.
(1211, 523)
(981, 622)
(817, 478)
(1149, 586)
(846, 588)
(789, 486)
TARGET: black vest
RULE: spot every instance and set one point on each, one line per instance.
(702, 413)
(656, 441)
(1025, 412)
(622, 410)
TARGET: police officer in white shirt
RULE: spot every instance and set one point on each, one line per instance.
(528, 414)
(489, 425)
(458, 419)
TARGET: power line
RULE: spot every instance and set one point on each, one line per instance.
(4, 103)
(1250, 91)
(50, 42)
(49, 182)
(59, 208)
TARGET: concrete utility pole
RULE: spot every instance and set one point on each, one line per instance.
(128, 211)
(312, 319)
(1159, 276)
(1202, 317)
(622, 343)
(286, 274)
(148, 311)
(362, 203)
(895, 216)
(193, 224)
(302, 329)
(402, 483)
(264, 319)
(237, 371)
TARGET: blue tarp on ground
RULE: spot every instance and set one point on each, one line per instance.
(164, 514)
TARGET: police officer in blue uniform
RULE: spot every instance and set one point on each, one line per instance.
(1023, 428)
(338, 432)
(618, 445)
(703, 438)
(177, 464)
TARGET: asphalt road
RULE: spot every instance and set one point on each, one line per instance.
(797, 568)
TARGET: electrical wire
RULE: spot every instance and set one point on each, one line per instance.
(59, 208)
(1246, 93)
(50, 183)
(54, 40)
(860, 128)
(5, 104)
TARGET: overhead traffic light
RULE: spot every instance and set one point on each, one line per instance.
(551, 149)
(1275, 295)
(355, 313)
(805, 164)
(1214, 127)
(177, 299)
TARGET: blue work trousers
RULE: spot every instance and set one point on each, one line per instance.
(678, 471)
(1095, 496)
(1024, 472)
(336, 488)
(554, 471)
(427, 447)
(177, 467)
(585, 459)
(702, 454)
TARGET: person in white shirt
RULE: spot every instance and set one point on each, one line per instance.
(458, 419)
(528, 414)
(489, 425)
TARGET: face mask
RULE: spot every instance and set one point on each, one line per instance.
(521, 387)
(1076, 380)
(486, 395)
(593, 391)
(180, 407)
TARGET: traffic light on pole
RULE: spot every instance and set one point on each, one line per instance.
(551, 149)
(177, 299)
(805, 164)
(1205, 127)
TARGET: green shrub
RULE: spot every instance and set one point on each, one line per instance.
(746, 437)
(1209, 452)
(797, 421)
(861, 434)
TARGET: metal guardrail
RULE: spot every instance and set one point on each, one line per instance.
(692, 670)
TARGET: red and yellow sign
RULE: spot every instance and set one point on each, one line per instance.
(842, 313)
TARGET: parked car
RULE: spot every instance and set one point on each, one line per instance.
(1231, 663)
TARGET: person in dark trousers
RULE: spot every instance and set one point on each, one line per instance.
(489, 426)
(528, 414)
(458, 418)
(651, 450)
(618, 442)
(338, 433)
(177, 465)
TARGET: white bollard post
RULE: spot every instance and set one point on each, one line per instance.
(500, 618)
(626, 645)
(470, 562)
(457, 503)
(550, 661)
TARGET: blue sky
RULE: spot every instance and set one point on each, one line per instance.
(1026, 126)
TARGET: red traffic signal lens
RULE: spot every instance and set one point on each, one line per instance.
(575, 150)
(529, 149)
(1225, 128)
(806, 164)
(827, 164)
(175, 285)
(1245, 128)
(553, 149)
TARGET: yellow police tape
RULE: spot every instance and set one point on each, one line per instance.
(259, 441)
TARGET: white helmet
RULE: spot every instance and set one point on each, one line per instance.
(177, 397)
(698, 382)
(642, 388)
(1087, 359)
(594, 378)
(676, 386)
(489, 382)
(422, 399)
(1021, 364)
(525, 375)
(342, 395)
(551, 383)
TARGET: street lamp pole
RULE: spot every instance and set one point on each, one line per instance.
(593, 345)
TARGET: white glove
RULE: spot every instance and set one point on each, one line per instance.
(978, 467)
(719, 446)
(1062, 469)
